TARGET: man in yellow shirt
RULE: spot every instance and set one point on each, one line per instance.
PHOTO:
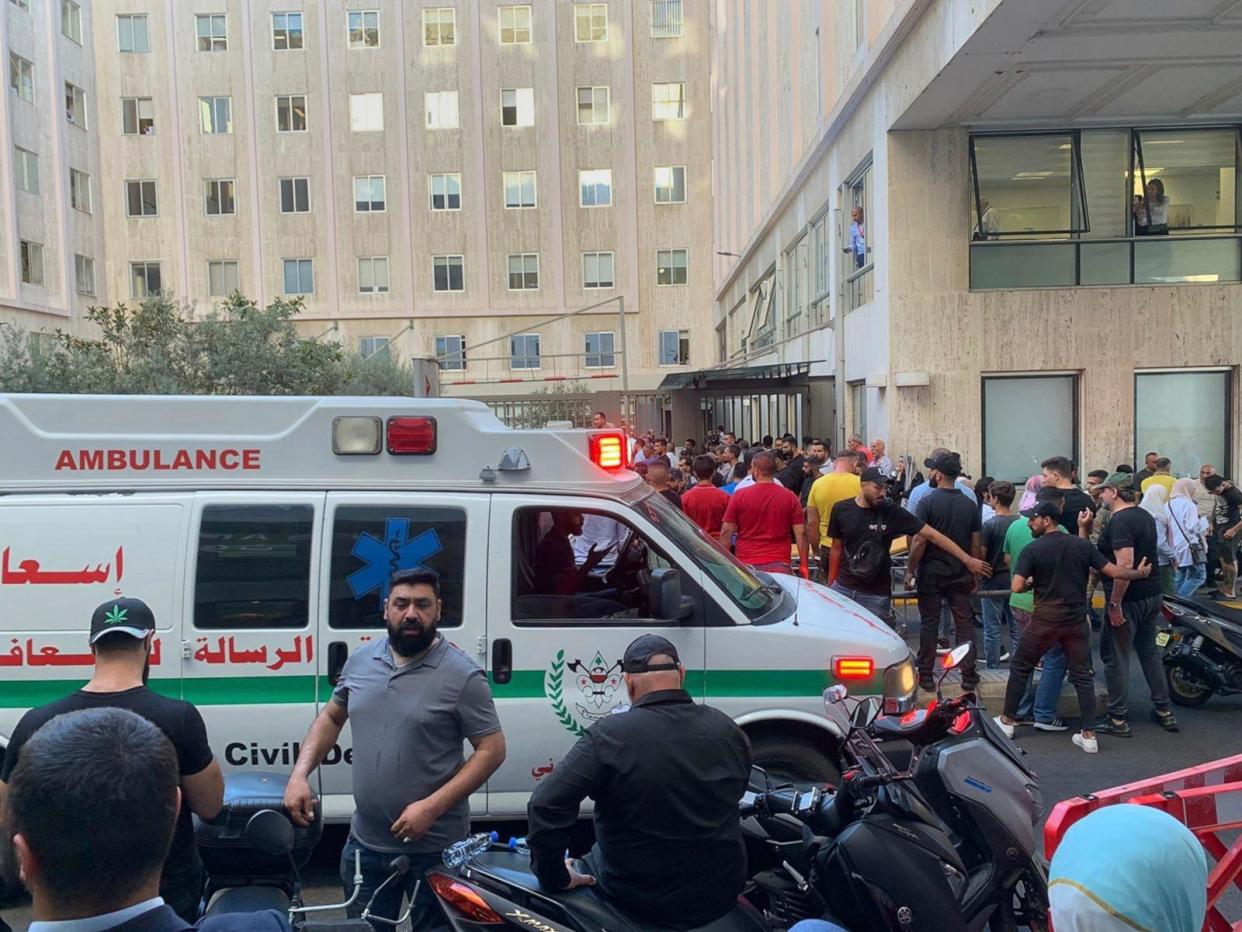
(1160, 477)
(836, 486)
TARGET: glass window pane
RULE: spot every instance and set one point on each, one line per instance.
(1104, 167)
(1022, 265)
(1025, 421)
(1024, 183)
(1104, 263)
(1184, 415)
(1196, 170)
(1169, 259)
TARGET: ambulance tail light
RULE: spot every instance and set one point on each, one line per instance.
(853, 668)
(464, 899)
(608, 451)
(412, 436)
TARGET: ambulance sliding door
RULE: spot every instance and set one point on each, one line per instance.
(368, 535)
(250, 649)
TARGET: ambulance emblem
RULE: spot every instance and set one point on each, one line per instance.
(382, 558)
(581, 692)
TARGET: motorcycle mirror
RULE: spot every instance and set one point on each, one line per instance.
(956, 656)
(399, 865)
(271, 832)
(834, 708)
(866, 711)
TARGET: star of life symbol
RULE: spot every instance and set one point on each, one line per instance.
(382, 558)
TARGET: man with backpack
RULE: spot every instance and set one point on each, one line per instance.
(863, 529)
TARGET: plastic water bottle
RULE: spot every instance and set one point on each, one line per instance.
(466, 850)
(518, 845)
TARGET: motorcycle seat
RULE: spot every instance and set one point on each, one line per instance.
(252, 899)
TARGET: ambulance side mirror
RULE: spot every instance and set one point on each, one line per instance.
(664, 599)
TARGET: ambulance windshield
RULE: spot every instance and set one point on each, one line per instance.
(735, 578)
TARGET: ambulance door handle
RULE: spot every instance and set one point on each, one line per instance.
(338, 653)
(502, 661)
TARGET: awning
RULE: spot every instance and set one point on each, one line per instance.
(778, 375)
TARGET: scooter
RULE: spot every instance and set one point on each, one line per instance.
(1202, 649)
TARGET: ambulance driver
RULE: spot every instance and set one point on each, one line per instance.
(412, 699)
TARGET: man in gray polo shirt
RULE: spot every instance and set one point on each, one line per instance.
(412, 700)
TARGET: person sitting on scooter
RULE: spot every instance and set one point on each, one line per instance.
(666, 776)
(91, 807)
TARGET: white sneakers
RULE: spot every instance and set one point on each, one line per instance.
(1000, 723)
(1090, 745)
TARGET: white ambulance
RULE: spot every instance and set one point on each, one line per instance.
(262, 531)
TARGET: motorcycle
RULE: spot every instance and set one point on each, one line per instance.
(1202, 649)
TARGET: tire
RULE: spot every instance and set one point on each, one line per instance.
(1186, 689)
(789, 759)
(1025, 908)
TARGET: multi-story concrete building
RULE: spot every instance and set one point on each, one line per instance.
(438, 177)
(1048, 258)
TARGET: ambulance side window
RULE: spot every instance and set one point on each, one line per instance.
(253, 568)
(369, 542)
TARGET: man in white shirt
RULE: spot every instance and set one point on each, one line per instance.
(604, 534)
(879, 458)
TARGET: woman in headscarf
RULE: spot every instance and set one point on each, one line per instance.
(1128, 867)
(1188, 535)
(1033, 485)
(1156, 503)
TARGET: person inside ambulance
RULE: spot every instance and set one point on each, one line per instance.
(556, 571)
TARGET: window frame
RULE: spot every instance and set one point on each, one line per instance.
(1138, 168)
(600, 353)
(431, 191)
(534, 187)
(27, 251)
(292, 109)
(145, 265)
(591, 10)
(594, 186)
(526, 355)
(288, 31)
(458, 354)
(524, 273)
(671, 267)
(681, 99)
(439, 110)
(27, 159)
(518, 93)
(447, 260)
(73, 94)
(370, 201)
(219, 182)
(349, 29)
(293, 180)
(215, 43)
(597, 254)
(84, 265)
(211, 105)
(672, 187)
(439, 26)
(374, 289)
(223, 264)
(137, 107)
(679, 361)
(23, 70)
(513, 9)
(75, 174)
(142, 200)
(302, 263)
(1225, 468)
(67, 6)
(366, 111)
(1075, 429)
(1078, 190)
(594, 89)
(132, 19)
(681, 19)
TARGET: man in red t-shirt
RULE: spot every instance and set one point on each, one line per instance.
(703, 503)
(763, 516)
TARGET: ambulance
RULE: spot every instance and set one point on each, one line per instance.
(262, 532)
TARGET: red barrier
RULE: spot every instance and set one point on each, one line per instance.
(1207, 799)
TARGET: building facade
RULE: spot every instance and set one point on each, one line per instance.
(1008, 227)
(438, 179)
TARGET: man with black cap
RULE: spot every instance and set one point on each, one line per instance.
(666, 775)
(1057, 565)
(121, 634)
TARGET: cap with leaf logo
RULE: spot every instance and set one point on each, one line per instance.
(124, 616)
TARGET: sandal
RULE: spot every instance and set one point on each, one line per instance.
(1165, 720)
(1118, 727)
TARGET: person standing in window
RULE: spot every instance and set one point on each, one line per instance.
(858, 237)
(1151, 213)
(989, 225)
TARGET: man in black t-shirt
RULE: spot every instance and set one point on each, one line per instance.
(862, 531)
(1132, 617)
(1059, 474)
(121, 634)
(1057, 565)
(1227, 530)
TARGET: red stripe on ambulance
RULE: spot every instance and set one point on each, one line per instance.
(199, 460)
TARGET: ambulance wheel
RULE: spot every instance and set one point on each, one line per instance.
(791, 758)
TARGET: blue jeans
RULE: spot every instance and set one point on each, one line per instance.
(996, 615)
(1041, 698)
(1189, 578)
(375, 870)
(879, 605)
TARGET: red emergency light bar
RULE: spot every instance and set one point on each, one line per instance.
(608, 451)
(412, 436)
(852, 668)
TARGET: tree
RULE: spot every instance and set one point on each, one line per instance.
(158, 347)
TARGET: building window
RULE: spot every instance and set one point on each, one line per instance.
(295, 195)
(366, 112)
(370, 193)
(666, 19)
(80, 190)
(27, 169)
(1187, 171)
(32, 262)
(1186, 416)
(1026, 419)
(84, 275)
(299, 276)
(287, 32)
(524, 351)
(519, 189)
(671, 267)
(440, 108)
(71, 20)
(451, 352)
(668, 101)
(364, 30)
(674, 347)
(291, 114)
(144, 279)
(517, 107)
(23, 5)
(670, 184)
(599, 350)
(524, 272)
(137, 116)
(75, 105)
(222, 278)
(440, 26)
(216, 115)
(447, 273)
(21, 77)
(369, 346)
(220, 197)
(373, 275)
(140, 199)
(593, 106)
(595, 187)
(597, 270)
(132, 34)
(514, 24)
(212, 31)
(590, 22)
(1027, 184)
(445, 191)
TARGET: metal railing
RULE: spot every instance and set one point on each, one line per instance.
(860, 286)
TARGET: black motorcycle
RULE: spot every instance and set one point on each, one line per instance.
(1202, 649)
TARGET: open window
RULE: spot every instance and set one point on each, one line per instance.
(762, 330)
(1028, 186)
(1185, 180)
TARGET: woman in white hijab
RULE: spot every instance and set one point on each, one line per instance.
(1187, 533)
(1155, 503)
